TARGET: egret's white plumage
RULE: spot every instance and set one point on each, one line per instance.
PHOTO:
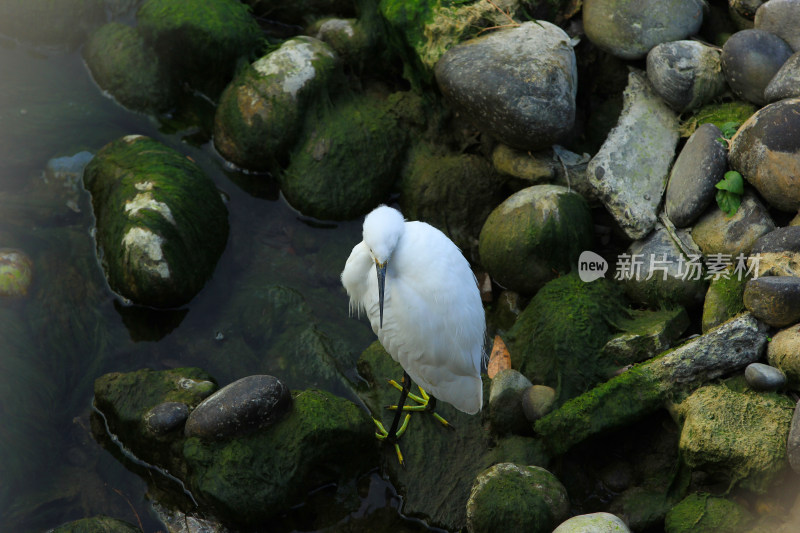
(433, 319)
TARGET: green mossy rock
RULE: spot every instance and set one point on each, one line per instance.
(453, 192)
(558, 337)
(704, 513)
(535, 235)
(724, 298)
(16, 273)
(261, 112)
(350, 157)
(199, 42)
(323, 439)
(161, 224)
(510, 497)
(741, 435)
(64, 23)
(719, 115)
(646, 333)
(97, 524)
(127, 68)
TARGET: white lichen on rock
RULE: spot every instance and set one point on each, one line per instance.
(294, 62)
(146, 201)
(141, 242)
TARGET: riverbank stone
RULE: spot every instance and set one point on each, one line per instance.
(786, 82)
(534, 235)
(505, 402)
(777, 253)
(537, 401)
(593, 523)
(698, 168)
(516, 84)
(646, 334)
(161, 224)
(750, 59)
(629, 172)
(166, 417)
(628, 29)
(783, 353)
(261, 112)
(510, 497)
(781, 17)
(244, 406)
(774, 299)
(724, 298)
(763, 377)
(704, 513)
(686, 74)
(766, 151)
(717, 233)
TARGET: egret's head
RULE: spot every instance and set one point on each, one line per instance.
(383, 228)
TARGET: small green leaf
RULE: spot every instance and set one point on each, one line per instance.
(729, 202)
(732, 182)
(729, 129)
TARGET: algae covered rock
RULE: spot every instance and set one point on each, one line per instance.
(350, 157)
(704, 513)
(261, 112)
(199, 41)
(16, 273)
(64, 23)
(96, 524)
(533, 235)
(594, 523)
(724, 298)
(741, 435)
(784, 353)
(510, 497)
(161, 224)
(127, 68)
(735, 112)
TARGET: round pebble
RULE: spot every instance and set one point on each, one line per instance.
(686, 74)
(505, 402)
(166, 417)
(763, 377)
(781, 17)
(537, 401)
(593, 523)
(774, 299)
(750, 58)
(16, 273)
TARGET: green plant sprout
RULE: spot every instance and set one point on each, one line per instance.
(729, 195)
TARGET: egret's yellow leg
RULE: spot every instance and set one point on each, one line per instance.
(382, 434)
(423, 401)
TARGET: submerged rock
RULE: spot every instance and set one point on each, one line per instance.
(16, 273)
(166, 417)
(750, 58)
(630, 171)
(97, 524)
(161, 223)
(686, 74)
(516, 84)
(704, 513)
(594, 523)
(510, 497)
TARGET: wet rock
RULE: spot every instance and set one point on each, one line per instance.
(16, 273)
(646, 334)
(766, 150)
(63, 179)
(630, 171)
(704, 512)
(451, 191)
(718, 233)
(686, 74)
(750, 58)
(655, 271)
(594, 522)
(347, 37)
(763, 377)
(724, 298)
(698, 168)
(781, 17)
(65, 24)
(516, 84)
(127, 68)
(774, 299)
(777, 253)
(505, 402)
(629, 29)
(510, 497)
(96, 524)
(246, 405)
(729, 347)
(537, 401)
(739, 435)
(784, 354)
(347, 163)
(166, 417)
(793, 441)
(199, 42)
(261, 112)
(786, 82)
(533, 235)
(161, 224)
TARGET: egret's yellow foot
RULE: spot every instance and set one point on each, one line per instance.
(424, 403)
(382, 434)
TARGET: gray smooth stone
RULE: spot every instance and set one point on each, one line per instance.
(774, 300)
(763, 377)
(781, 17)
(166, 417)
(686, 74)
(750, 59)
(786, 82)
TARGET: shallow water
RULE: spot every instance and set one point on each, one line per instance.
(71, 328)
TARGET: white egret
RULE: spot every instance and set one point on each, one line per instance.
(423, 303)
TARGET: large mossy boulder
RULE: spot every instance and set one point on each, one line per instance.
(261, 112)
(535, 235)
(127, 68)
(351, 156)
(741, 435)
(199, 42)
(161, 224)
(65, 23)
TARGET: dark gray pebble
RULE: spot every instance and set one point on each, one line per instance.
(786, 82)
(166, 417)
(763, 377)
(750, 59)
(774, 299)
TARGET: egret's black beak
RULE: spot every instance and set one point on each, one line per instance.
(381, 269)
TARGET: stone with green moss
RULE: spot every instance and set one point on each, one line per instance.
(161, 223)
(97, 524)
(740, 435)
(65, 23)
(511, 497)
(127, 68)
(645, 334)
(347, 37)
(350, 157)
(704, 513)
(199, 42)
(301, 12)
(724, 298)
(453, 192)
(735, 112)
(557, 338)
(535, 235)
(323, 439)
(261, 112)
